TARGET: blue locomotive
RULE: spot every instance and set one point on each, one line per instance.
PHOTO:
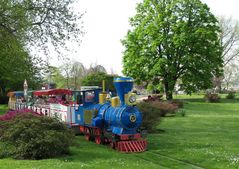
(105, 120)
(111, 120)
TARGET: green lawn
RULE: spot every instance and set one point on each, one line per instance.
(207, 137)
(3, 109)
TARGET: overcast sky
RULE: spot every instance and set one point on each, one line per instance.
(106, 22)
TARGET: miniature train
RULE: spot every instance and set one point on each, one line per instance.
(114, 121)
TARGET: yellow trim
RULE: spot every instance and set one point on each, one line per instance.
(103, 86)
(115, 101)
(88, 115)
(102, 98)
(123, 80)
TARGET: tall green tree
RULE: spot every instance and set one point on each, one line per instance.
(171, 40)
(41, 22)
(16, 65)
(25, 24)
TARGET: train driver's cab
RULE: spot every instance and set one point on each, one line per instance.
(87, 97)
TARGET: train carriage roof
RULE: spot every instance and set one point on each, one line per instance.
(19, 93)
(52, 92)
(15, 93)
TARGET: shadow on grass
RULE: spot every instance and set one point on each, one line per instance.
(157, 131)
(201, 100)
(87, 156)
(224, 100)
(88, 151)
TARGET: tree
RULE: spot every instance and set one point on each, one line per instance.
(95, 79)
(54, 75)
(231, 78)
(229, 39)
(39, 23)
(95, 68)
(230, 49)
(66, 70)
(77, 73)
(73, 71)
(25, 23)
(171, 40)
(16, 65)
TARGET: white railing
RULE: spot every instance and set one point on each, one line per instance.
(65, 113)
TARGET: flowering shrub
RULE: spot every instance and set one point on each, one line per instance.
(177, 103)
(12, 113)
(165, 107)
(155, 97)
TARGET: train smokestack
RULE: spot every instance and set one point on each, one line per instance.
(123, 85)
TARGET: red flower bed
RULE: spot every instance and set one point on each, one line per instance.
(12, 113)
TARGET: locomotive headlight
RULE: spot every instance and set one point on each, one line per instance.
(132, 99)
(132, 118)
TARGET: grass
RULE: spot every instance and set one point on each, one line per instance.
(207, 137)
(3, 109)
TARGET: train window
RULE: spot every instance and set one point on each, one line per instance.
(79, 97)
(89, 96)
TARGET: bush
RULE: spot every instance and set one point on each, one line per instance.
(153, 111)
(36, 137)
(178, 103)
(6, 150)
(231, 95)
(151, 115)
(165, 107)
(212, 97)
(154, 97)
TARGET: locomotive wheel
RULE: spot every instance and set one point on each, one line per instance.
(97, 140)
(87, 137)
(106, 140)
(112, 145)
(87, 134)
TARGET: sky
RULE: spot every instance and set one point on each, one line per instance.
(106, 22)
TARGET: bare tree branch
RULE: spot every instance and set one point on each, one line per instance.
(229, 39)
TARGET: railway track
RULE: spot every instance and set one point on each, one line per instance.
(161, 166)
(166, 161)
